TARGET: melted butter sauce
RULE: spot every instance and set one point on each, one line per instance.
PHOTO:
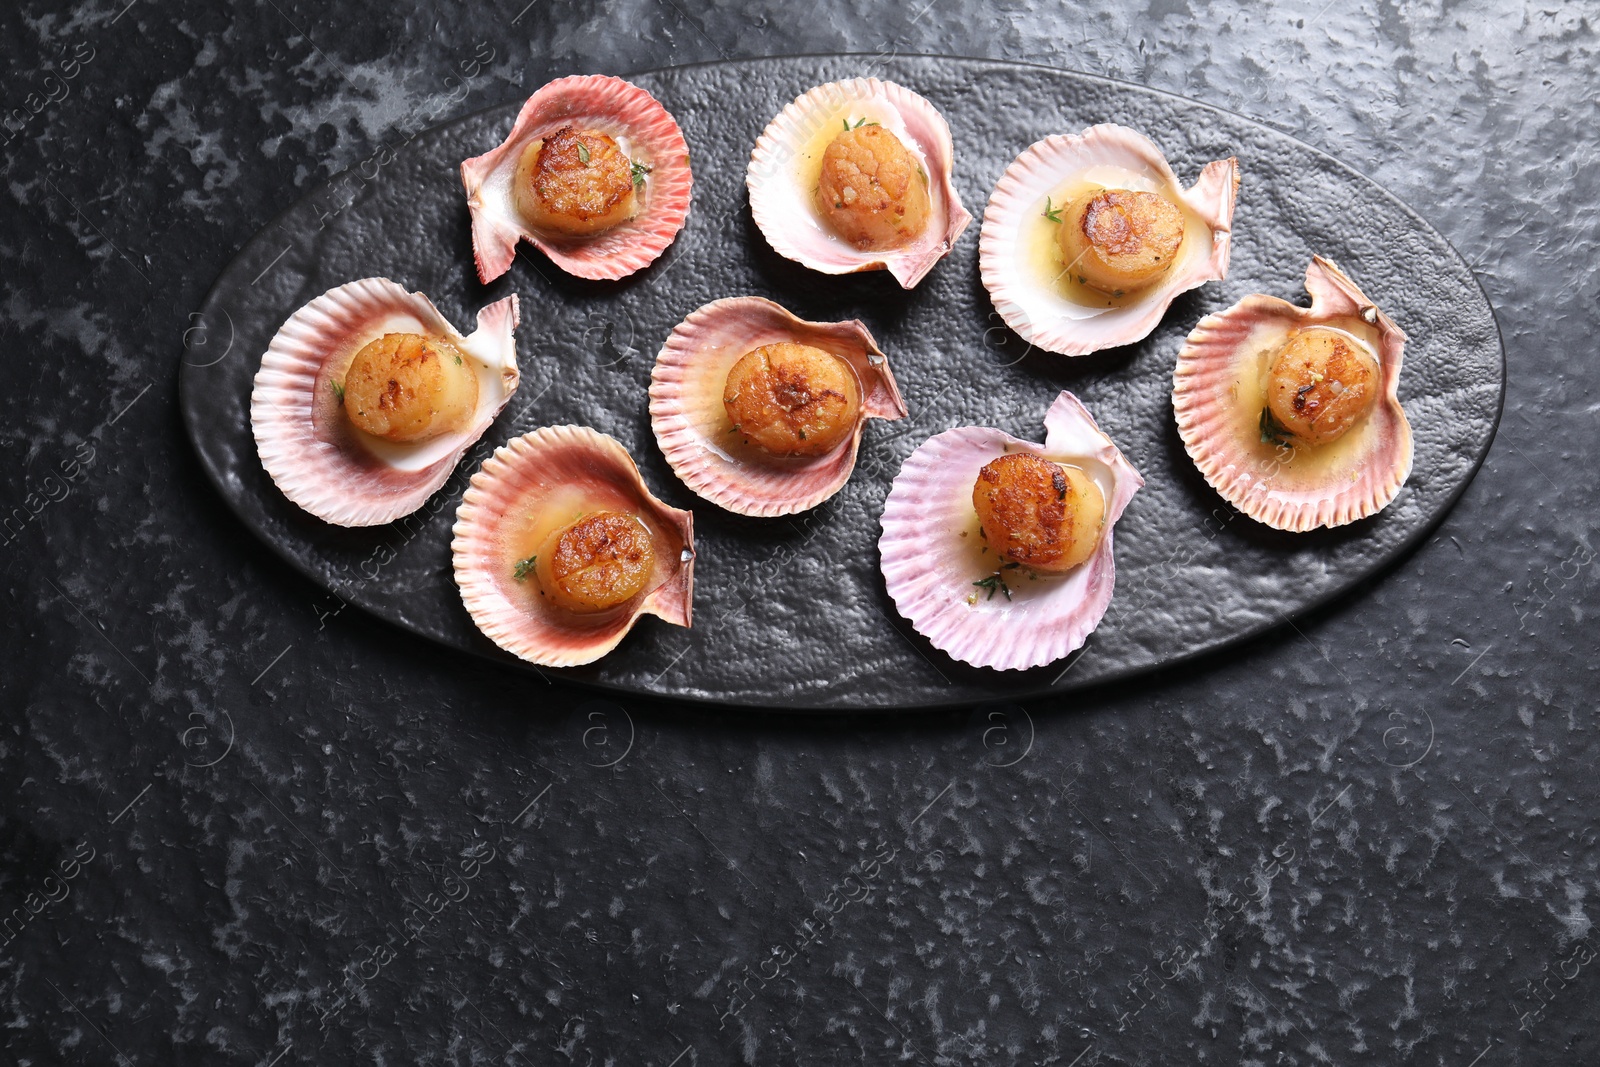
(1042, 251)
(1296, 464)
(526, 536)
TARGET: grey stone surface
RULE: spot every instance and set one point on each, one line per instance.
(1365, 838)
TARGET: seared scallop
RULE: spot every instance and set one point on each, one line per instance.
(367, 398)
(999, 550)
(594, 173)
(1088, 238)
(761, 412)
(856, 175)
(560, 547)
(871, 191)
(1293, 414)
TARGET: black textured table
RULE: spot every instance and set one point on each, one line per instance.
(245, 824)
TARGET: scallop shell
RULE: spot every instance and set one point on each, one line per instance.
(1030, 302)
(645, 132)
(929, 567)
(691, 424)
(519, 479)
(781, 195)
(1257, 479)
(306, 443)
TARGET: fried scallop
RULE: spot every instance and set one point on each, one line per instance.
(560, 547)
(871, 191)
(594, 173)
(1037, 513)
(1293, 414)
(856, 175)
(791, 399)
(367, 397)
(1119, 240)
(408, 387)
(761, 412)
(1088, 238)
(999, 550)
(575, 183)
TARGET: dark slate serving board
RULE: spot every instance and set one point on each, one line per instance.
(792, 612)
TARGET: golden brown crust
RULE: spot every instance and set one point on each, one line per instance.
(1319, 384)
(576, 183)
(872, 191)
(792, 399)
(406, 387)
(1120, 239)
(599, 562)
(1038, 513)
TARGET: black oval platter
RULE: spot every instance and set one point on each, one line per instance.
(792, 612)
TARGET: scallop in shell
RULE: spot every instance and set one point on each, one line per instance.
(1293, 414)
(1089, 237)
(761, 412)
(366, 453)
(595, 173)
(998, 550)
(559, 548)
(855, 175)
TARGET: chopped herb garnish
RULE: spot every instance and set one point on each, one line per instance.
(583, 152)
(1081, 280)
(862, 121)
(734, 428)
(1116, 292)
(993, 582)
(458, 361)
(1053, 214)
(338, 391)
(520, 571)
(639, 171)
(802, 434)
(1272, 431)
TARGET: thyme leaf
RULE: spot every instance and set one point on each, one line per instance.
(520, 571)
(1051, 213)
(1274, 432)
(583, 152)
(639, 171)
(995, 581)
(338, 390)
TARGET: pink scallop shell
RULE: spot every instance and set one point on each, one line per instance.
(927, 565)
(783, 209)
(1202, 398)
(1031, 306)
(590, 101)
(516, 480)
(690, 422)
(306, 444)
